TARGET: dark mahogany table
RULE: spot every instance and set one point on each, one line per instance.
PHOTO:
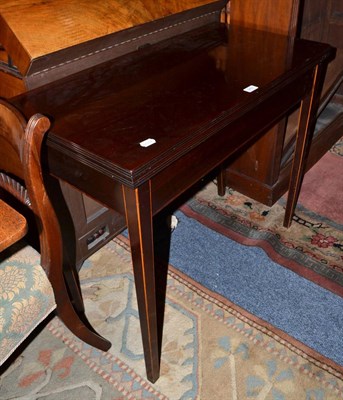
(137, 132)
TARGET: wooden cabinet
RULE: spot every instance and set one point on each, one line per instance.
(262, 172)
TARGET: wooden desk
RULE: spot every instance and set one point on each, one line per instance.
(189, 95)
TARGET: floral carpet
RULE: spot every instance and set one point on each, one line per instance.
(212, 349)
(312, 246)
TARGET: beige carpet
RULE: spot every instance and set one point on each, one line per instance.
(212, 349)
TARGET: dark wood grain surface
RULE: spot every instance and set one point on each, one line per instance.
(179, 93)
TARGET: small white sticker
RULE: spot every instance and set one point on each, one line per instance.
(250, 88)
(147, 142)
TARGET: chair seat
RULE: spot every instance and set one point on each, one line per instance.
(26, 297)
(13, 226)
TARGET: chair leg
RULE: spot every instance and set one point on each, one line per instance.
(77, 322)
(73, 285)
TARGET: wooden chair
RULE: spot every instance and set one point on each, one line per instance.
(21, 176)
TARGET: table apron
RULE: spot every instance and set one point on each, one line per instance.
(97, 185)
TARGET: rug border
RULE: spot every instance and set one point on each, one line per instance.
(292, 265)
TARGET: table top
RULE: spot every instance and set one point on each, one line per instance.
(13, 226)
(135, 115)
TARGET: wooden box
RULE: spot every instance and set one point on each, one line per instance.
(46, 40)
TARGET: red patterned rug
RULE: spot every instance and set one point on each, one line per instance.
(312, 246)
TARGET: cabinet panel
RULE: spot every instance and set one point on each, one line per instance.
(273, 15)
(94, 224)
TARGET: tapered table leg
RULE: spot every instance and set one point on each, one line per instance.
(306, 125)
(221, 181)
(138, 210)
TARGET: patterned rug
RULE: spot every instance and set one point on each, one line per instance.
(312, 246)
(212, 349)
